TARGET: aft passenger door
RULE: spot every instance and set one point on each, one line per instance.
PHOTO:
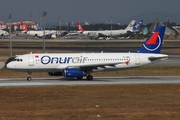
(31, 60)
(137, 60)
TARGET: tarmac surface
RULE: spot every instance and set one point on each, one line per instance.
(98, 81)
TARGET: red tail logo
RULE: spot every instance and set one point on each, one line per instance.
(24, 27)
(79, 26)
(153, 38)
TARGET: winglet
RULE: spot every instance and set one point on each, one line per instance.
(154, 42)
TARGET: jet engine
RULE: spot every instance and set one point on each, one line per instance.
(73, 72)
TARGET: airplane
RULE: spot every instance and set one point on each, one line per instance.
(55, 32)
(111, 33)
(78, 65)
(64, 33)
(35, 34)
(136, 30)
(68, 32)
(4, 34)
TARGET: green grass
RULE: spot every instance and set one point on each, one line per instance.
(137, 102)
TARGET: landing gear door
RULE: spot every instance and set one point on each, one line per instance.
(31, 60)
(137, 60)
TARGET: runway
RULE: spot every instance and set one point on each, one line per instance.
(98, 81)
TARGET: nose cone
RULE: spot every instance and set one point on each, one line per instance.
(9, 66)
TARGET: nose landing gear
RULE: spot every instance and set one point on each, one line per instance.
(29, 77)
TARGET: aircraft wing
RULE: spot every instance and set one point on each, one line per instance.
(102, 35)
(94, 66)
(46, 34)
(72, 33)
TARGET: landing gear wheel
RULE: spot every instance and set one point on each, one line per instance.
(29, 78)
(89, 77)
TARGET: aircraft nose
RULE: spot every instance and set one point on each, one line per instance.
(9, 65)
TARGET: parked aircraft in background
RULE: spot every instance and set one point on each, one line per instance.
(69, 33)
(111, 33)
(78, 65)
(4, 34)
(63, 33)
(137, 26)
(145, 31)
(55, 32)
(38, 27)
(37, 34)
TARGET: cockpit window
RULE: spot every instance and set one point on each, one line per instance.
(18, 60)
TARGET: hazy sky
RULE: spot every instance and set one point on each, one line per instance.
(83, 10)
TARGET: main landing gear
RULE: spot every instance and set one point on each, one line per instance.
(89, 77)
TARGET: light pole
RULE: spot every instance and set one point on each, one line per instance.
(111, 25)
(166, 20)
(10, 41)
(44, 43)
(59, 27)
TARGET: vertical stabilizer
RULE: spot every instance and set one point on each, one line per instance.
(130, 26)
(68, 28)
(80, 27)
(67, 31)
(137, 26)
(24, 27)
(154, 42)
(38, 27)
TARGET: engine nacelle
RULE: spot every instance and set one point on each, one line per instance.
(55, 73)
(73, 72)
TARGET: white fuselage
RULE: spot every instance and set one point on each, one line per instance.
(40, 33)
(95, 61)
(108, 33)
